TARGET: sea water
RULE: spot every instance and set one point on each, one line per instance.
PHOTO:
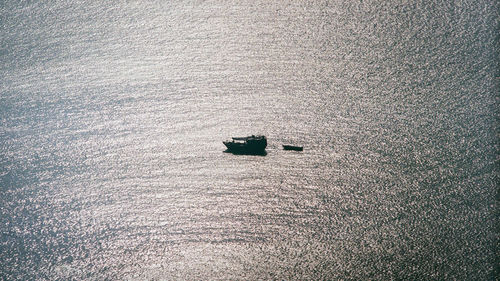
(113, 113)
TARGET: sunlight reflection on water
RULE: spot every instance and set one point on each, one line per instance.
(113, 117)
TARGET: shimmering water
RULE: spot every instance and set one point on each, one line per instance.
(113, 113)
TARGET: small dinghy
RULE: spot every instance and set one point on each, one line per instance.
(293, 147)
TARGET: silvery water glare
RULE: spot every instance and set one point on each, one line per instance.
(113, 113)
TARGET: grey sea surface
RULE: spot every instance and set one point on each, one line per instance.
(113, 113)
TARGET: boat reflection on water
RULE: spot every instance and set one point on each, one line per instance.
(251, 145)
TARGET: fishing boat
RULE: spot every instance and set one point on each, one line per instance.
(247, 145)
(293, 147)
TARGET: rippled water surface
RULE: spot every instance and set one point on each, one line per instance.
(113, 113)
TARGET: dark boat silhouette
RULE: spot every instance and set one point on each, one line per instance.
(293, 147)
(254, 145)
